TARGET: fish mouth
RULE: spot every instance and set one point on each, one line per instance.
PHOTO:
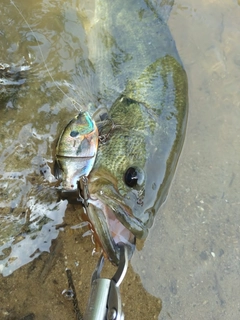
(113, 222)
(109, 231)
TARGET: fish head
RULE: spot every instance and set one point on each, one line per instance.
(126, 177)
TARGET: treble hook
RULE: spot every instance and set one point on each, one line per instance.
(83, 192)
(104, 137)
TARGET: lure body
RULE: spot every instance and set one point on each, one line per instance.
(76, 151)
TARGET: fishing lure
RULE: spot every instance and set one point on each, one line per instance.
(76, 151)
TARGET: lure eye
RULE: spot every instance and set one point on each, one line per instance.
(74, 134)
(131, 177)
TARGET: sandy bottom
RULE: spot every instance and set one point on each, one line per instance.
(191, 258)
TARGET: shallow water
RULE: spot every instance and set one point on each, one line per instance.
(191, 258)
(47, 46)
(30, 119)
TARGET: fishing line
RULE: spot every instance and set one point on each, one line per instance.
(73, 101)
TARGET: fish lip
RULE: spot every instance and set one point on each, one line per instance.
(100, 221)
(124, 214)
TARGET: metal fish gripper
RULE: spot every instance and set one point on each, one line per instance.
(105, 299)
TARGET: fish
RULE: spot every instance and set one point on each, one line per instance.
(142, 84)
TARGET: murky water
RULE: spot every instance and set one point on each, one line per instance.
(191, 258)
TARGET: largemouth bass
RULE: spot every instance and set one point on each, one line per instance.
(143, 84)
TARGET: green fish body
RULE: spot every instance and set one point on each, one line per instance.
(138, 65)
(141, 82)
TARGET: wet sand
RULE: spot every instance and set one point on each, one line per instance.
(35, 290)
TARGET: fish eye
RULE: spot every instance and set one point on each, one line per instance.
(74, 133)
(133, 176)
(130, 177)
